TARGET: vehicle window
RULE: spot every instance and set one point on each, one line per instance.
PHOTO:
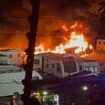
(58, 67)
(35, 78)
(104, 43)
(3, 62)
(91, 68)
(96, 69)
(53, 65)
(70, 66)
(80, 68)
(2, 72)
(9, 71)
(46, 65)
(99, 42)
(36, 61)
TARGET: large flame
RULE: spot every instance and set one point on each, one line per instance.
(76, 43)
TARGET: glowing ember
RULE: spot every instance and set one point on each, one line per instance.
(76, 41)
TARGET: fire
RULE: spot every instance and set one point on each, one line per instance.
(76, 43)
(58, 49)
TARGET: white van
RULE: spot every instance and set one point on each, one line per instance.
(10, 83)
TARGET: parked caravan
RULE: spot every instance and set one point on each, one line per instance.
(12, 56)
(62, 65)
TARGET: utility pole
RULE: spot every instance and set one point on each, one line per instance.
(31, 36)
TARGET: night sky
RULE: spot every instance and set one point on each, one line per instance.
(53, 14)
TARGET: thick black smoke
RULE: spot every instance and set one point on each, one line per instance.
(53, 14)
(13, 18)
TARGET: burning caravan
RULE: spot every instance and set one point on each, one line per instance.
(12, 56)
(62, 65)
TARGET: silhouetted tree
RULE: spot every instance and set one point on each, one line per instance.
(31, 36)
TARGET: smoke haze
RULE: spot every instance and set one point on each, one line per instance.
(53, 14)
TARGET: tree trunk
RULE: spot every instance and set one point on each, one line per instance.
(31, 35)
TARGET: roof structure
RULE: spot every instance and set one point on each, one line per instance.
(69, 81)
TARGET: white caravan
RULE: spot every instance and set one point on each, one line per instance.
(6, 66)
(64, 65)
(11, 82)
(12, 56)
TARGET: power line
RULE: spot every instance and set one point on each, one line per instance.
(41, 18)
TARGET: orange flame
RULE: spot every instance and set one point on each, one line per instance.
(76, 41)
